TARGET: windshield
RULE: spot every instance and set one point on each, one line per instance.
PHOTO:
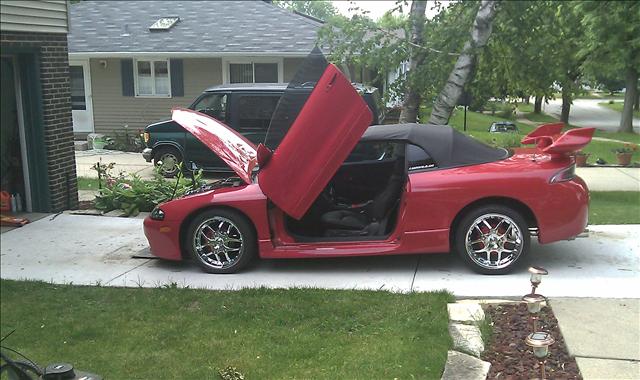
(294, 97)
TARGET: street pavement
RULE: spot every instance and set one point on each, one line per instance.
(89, 250)
(587, 113)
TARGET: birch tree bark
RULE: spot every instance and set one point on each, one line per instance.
(411, 102)
(464, 66)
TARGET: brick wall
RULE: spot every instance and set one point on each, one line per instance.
(56, 109)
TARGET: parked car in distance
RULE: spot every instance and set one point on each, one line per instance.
(503, 127)
(246, 107)
(337, 187)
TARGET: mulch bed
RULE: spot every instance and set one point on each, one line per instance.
(511, 358)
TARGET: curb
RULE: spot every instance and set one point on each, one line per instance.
(463, 361)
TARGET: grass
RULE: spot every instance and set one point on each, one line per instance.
(614, 207)
(617, 106)
(86, 183)
(175, 333)
(478, 124)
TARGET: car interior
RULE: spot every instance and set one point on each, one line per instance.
(361, 201)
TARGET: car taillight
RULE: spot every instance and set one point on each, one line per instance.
(564, 175)
(146, 137)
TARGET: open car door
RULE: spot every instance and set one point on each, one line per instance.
(317, 123)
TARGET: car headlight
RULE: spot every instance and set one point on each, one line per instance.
(157, 214)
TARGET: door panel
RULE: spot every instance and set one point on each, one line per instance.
(81, 105)
(329, 125)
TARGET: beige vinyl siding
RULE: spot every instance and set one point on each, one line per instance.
(48, 16)
(111, 110)
(290, 67)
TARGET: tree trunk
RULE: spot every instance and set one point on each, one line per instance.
(626, 122)
(454, 87)
(537, 105)
(411, 102)
(636, 106)
(566, 103)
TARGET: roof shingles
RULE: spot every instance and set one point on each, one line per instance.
(204, 27)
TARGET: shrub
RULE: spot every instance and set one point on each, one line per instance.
(132, 194)
(506, 111)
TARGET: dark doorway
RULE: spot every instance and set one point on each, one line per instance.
(12, 158)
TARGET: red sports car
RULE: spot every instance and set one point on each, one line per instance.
(325, 184)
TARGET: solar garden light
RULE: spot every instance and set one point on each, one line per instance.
(536, 277)
(534, 305)
(540, 342)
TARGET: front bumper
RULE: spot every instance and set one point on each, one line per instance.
(164, 238)
(147, 154)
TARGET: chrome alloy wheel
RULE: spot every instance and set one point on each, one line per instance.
(494, 241)
(218, 242)
(169, 163)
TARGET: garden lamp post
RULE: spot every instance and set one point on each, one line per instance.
(534, 305)
(540, 342)
(536, 277)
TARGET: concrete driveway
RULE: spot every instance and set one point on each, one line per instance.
(587, 113)
(98, 250)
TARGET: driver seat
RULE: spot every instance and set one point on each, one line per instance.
(368, 220)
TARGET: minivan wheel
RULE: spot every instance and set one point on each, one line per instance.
(221, 241)
(492, 239)
(168, 159)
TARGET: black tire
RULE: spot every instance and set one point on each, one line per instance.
(20, 370)
(495, 239)
(222, 254)
(170, 158)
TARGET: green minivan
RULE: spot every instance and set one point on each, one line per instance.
(246, 107)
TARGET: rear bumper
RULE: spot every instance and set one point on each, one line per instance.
(147, 154)
(565, 215)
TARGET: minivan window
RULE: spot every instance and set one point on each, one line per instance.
(214, 105)
(254, 112)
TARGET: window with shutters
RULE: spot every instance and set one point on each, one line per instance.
(152, 78)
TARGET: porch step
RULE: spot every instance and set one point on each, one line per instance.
(81, 145)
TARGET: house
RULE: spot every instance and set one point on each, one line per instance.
(131, 61)
(36, 141)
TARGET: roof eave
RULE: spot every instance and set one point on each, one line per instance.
(179, 54)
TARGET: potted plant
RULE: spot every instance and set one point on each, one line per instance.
(625, 153)
(581, 158)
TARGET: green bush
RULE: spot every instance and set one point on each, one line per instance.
(505, 140)
(132, 194)
(506, 111)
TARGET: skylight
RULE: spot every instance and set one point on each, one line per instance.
(164, 23)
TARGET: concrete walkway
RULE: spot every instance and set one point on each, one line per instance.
(127, 162)
(602, 334)
(92, 249)
(611, 179)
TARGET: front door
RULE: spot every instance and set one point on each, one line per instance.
(81, 104)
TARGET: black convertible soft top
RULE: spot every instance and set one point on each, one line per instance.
(447, 147)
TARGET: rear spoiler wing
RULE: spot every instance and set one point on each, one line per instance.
(548, 139)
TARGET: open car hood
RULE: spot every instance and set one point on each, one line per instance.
(233, 148)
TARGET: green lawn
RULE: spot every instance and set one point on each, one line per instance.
(478, 124)
(614, 207)
(617, 106)
(176, 333)
(86, 183)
